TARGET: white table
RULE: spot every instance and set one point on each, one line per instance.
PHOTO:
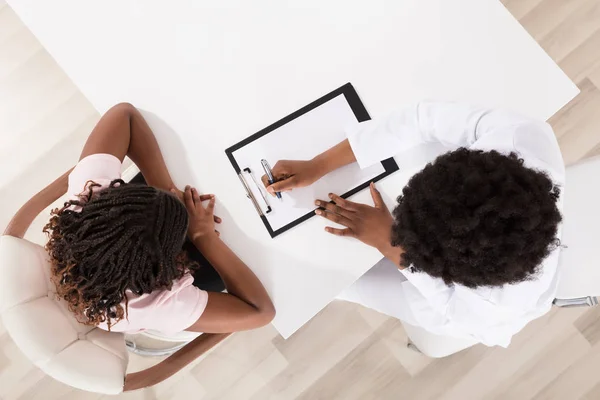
(212, 73)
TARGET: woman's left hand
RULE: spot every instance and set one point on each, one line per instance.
(370, 225)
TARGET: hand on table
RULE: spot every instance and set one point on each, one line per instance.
(370, 225)
(201, 220)
(292, 174)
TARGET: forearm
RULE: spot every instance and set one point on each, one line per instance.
(334, 158)
(145, 153)
(239, 280)
(122, 131)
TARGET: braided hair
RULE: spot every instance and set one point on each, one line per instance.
(125, 237)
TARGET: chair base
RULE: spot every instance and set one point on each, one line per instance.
(157, 344)
(589, 301)
(132, 347)
(434, 346)
(410, 345)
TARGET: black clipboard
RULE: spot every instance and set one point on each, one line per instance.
(361, 114)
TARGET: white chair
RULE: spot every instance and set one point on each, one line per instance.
(579, 283)
(43, 328)
(579, 268)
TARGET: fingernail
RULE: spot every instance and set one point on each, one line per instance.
(173, 191)
(187, 187)
(318, 212)
(318, 203)
(270, 189)
(331, 195)
(327, 229)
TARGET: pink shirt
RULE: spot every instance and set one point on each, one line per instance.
(168, 311)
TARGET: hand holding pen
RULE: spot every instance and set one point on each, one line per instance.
(270, 177)
(288, 175)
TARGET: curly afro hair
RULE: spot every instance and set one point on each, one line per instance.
(477, 218)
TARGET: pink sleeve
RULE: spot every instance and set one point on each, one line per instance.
(180, 311)
(100, 168)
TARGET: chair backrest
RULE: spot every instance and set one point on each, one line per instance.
(45, 330)
(579, 262)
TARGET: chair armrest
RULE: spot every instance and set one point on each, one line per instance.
(174, 363)
(21, 221)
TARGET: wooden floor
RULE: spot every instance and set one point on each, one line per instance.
(346, 352)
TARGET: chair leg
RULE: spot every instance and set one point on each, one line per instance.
(410, 345)
(588, 301)
(148, 352)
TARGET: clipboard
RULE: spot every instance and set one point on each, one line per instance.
(250, 177)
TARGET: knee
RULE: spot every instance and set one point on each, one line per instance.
(124, 108)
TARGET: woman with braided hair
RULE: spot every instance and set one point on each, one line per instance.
(116, 248)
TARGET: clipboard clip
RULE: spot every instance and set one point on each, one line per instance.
(250, 194)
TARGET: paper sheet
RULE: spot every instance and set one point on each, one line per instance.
(302, 139)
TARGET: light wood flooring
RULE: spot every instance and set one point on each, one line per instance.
(346, 352)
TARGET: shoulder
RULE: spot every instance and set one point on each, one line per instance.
(532, 140)
(175, 310)
(168, 311)
(536, 143)
(99, 168)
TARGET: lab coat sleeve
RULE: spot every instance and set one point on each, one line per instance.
(452, 124)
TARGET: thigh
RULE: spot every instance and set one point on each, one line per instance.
(381, 289)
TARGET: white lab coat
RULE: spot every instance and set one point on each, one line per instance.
(487, 315)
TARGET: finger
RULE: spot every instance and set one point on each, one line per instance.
(197, 201)
(265, 181)
(283, 186)
(334, 208)
(199, 198)
(281, 169)
(340, 232)
(347, 204)
(338, 219)
(188, 200)
(217, 219)
(210, 208)
(195, 196)
(377, 199)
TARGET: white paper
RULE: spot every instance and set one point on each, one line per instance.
(302, 139)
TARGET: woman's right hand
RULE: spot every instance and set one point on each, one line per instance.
(293, 174)
(201, 219)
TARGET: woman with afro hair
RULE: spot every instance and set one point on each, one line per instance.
(117, 249)
(471, 247)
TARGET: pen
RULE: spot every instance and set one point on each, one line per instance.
(269, 174)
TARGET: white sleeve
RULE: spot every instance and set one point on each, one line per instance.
(451, 124)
